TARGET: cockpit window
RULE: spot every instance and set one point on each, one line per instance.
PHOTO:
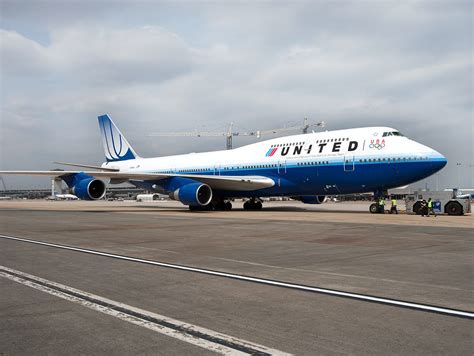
(392, 133)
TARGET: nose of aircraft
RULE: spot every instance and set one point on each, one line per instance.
(438, 161)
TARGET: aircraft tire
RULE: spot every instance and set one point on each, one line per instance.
(373, 208)
(253, 205)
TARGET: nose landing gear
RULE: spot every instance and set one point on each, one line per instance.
(378, 206)
(374, 208)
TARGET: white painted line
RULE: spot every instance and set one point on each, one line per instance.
(210, 340)
(356, 296)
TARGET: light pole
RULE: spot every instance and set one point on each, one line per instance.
(458, 164)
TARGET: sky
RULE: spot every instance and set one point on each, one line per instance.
(157, 66)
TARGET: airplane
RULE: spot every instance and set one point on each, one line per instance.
(65, 197)
(306, 167)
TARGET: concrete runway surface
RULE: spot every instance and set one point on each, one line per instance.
(57, 300)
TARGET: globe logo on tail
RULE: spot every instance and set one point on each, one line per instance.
(116, 147)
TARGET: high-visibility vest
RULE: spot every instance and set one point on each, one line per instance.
(394, 202)
(430, 204)
(382, 201)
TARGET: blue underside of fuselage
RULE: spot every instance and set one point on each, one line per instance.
(330, 179)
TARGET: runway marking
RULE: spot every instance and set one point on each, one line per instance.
(337, 274)
(301, 287)
(192, 334)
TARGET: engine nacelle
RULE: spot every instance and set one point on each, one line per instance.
(313, 199)
(193, 194)
(89, 189)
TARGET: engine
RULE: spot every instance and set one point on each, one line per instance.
(89, 189)
(313, 199)
(193, 194)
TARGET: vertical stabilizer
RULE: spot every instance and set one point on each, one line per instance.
(116, 146)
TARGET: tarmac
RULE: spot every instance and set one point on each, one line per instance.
(131, 253)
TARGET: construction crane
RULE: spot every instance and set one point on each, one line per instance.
(230, 133)
(3, 183)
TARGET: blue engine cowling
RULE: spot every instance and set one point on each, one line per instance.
(312, 199)
(89, 189)
(193, 194)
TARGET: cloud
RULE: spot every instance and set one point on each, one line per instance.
(20, 56)
(96, 55)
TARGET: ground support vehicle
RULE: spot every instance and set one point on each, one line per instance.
(445, 202)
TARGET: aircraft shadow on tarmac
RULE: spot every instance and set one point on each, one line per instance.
(240, 209)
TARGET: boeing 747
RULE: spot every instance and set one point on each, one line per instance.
(305, 167)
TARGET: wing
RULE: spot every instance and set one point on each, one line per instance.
(107, 169)
(244, 183)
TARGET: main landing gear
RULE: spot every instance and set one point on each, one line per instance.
(222, 205)
(226, 205)
(253, 204)
(217, 205)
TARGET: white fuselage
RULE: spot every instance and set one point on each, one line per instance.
(332, 146)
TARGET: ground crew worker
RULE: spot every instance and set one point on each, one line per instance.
(393, 209)
(382, 205)
(430, 207)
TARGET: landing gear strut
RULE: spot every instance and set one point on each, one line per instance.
(253, 204)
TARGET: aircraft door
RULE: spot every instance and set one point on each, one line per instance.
(349, 164)
(217, 170)
(282, 167)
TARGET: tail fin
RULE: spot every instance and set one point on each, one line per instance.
(116, 146)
